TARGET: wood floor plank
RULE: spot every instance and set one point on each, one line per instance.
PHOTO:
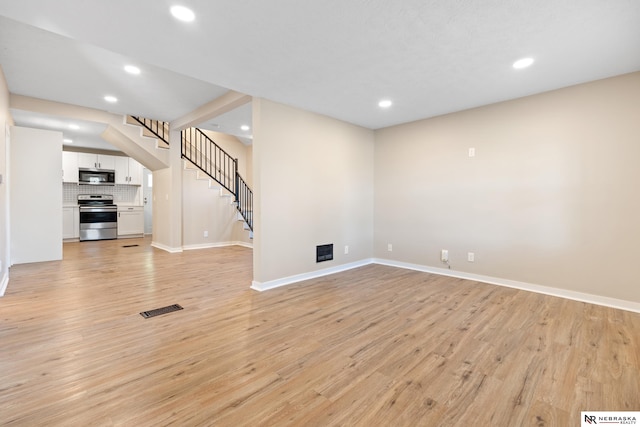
(371, 346)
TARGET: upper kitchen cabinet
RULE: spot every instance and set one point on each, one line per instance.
(70, 167)
(96, 161)
(128, 171)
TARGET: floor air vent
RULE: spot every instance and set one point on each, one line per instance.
(130, 246)
(159, 311)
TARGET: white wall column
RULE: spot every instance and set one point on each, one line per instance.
(175, 166)
(167, 200)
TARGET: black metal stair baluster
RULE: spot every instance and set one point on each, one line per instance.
(210, 158)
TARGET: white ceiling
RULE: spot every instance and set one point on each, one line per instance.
(87, 134)
(334, 57)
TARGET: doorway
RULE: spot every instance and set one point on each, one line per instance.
(147, 200)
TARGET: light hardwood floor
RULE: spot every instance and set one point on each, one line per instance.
(374, 346)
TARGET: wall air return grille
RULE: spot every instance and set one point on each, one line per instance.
(324, 253)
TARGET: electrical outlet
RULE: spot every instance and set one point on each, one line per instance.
(471, 257)
(205, 234)
(444, 255)
(390, 247)
(346, 249)
(472, 152)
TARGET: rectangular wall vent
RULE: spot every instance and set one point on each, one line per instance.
(324, 253)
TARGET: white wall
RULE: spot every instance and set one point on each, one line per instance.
(313, 177)
(5, 122)
(204, 209)
(35, 195)
(162, 200)
(167, 200)
(551, 197)
(236, 149)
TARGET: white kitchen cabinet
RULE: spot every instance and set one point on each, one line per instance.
(122, 170)
(96, 161)
(70, 222)
(135, 172)
(128, 171)
(130, 221)
(87, 160)
(70, 167)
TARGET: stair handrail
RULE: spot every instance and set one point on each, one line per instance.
(157, 127)
(209, 157)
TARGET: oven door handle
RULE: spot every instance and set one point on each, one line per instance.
(97, 210)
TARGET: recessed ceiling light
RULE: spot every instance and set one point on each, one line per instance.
(183, 13)
(245, 127)
(385, 103)
(111, 99)
(522, 63)
(74, 127)
(68, 141)
(132, 69)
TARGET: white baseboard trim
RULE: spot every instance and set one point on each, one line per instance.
(166, 248)
(271, 284)
(206, 246)
(199, 246)
(530, 287)
(4, 283)
(215, 245)
(556, 292)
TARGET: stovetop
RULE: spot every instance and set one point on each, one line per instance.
(95, 200)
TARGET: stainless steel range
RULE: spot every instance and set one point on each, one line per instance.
(98, 217)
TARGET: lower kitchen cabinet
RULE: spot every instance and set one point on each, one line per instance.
(70, 223)
(130, 221)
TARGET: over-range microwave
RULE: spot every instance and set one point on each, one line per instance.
(96, 176)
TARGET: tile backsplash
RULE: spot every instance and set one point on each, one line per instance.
(124, 194)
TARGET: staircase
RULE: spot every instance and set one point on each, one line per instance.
(153, 129)
(209, 158)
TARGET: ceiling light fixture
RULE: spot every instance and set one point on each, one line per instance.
(522, 63)
(68, 141)
(183, 13)
(74, 127)
(385, 103)
(111, 99)
(132, 69)
(245, 128)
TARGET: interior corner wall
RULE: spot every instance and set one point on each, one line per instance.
(550, 198)
(35, 199)
(314, 186)
(5, 122)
